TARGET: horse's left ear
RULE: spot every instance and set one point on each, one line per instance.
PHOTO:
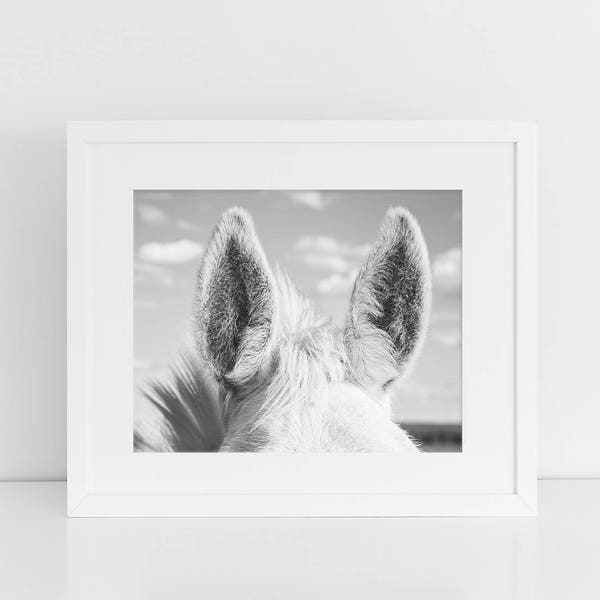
(390, 304)
(234, 302)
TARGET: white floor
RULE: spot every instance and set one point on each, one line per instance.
(44, 555)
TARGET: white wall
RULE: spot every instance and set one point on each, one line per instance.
(269, 59)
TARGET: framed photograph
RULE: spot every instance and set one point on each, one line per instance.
(301, 318)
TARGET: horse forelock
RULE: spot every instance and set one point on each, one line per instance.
(307, 357)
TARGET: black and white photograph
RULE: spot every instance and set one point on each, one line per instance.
(297, 321)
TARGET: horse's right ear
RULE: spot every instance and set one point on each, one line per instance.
(390, 302)
(234, 302)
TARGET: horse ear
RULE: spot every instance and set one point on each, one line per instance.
(390, 303)
(234, 302)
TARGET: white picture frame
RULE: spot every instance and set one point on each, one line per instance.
(493, 163)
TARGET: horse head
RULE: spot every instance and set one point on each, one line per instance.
(289, 379)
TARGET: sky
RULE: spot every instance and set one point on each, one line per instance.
(320, 238)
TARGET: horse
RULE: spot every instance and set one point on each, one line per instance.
(269, 373)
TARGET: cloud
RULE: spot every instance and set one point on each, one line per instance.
(337, 284)
(327, 245)
(326, 262)
(329, 254)
(170, 253)
(145, 272)
(447, 270)
(324, 252)
(186, 225)
(151, 215)
(311, 199)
